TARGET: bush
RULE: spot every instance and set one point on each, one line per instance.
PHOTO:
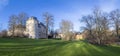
(3, 33)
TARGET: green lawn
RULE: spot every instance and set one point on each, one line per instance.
(44, 47)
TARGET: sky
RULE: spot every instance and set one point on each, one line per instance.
(71, 10)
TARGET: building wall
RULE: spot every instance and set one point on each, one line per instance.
(79, 37)
(42, 32)
(30, 28)
(34, 29)
(75, 37)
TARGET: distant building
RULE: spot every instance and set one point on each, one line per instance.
(74, 36)
(35, 29)
(79, 36)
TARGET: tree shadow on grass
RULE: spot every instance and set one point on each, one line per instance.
(95, 50)
(33, 50)
(58, 48)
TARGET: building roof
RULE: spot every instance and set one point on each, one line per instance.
(39, 23)
(34, 18)
(42, 24)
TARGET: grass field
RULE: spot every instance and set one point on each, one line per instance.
(44, 47)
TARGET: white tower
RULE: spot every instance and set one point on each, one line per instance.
(32, 28)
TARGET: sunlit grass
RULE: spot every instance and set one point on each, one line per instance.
(44, 47)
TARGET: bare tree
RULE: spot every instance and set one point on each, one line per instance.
(17, 24)
(49, 21)
(115, 17)
(22, 17)
(0, 27)
(101, 26)
(0, 30)
(12, 24)
(97, 17)
(89, 24)
(97, 25)
(66, 27)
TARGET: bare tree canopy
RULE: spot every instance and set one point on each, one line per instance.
(115, 17)
(12, 23)
(17, 23)
(66, 28)
(97, 27)
(0, 26)
(49, 22)
(22, 18)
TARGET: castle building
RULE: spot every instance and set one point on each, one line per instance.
(35, 29)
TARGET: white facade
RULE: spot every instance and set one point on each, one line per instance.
(34, 29)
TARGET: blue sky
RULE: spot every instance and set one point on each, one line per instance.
(61, 9)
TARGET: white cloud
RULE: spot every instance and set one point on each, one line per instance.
(3, 3)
